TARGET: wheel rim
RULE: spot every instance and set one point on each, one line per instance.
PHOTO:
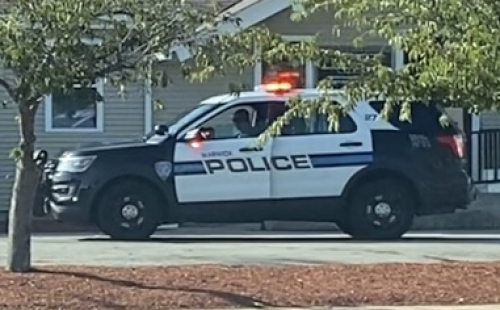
(384, 212)
(130, 213)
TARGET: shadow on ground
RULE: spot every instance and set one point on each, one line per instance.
(239, 300)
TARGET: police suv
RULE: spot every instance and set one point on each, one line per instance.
(371, 177)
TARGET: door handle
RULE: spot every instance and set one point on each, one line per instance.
(251, 149)
(351, 144)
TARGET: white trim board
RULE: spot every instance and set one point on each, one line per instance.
(251, 12)
(47, 100)
(148, 102)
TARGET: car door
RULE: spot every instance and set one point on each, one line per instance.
(223, 173)
(323, 163)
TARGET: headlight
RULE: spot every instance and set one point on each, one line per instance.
(75, 164)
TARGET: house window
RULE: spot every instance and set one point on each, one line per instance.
(304, 68)
(285, 65)
(80, 111)
(340, 76)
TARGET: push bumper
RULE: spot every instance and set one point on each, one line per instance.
(69, 199)
(62, 213)
(75, 210)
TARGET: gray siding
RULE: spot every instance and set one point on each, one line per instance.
(320, 24)
(490, 120)
(183, 94)
(9, 138)
(457, 115)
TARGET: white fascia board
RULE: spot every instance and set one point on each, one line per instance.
(250, 12)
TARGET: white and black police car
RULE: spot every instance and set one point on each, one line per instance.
(371, 177)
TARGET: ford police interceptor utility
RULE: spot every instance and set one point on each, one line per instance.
(371, 177)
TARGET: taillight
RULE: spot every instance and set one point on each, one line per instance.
(454, 142)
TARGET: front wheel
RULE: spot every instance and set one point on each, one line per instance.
(128, 210)
(381, 210)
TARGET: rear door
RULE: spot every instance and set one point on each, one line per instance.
(316, 164)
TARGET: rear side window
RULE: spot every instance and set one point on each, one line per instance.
(346, 124)
(424, 118)
(317, 123)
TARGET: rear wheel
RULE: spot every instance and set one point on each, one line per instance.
(128, 210)
(381, 210)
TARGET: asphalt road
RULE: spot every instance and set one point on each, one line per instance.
(194, 247)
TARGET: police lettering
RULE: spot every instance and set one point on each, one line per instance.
(247, 164)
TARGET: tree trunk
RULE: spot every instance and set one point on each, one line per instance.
(23, 194)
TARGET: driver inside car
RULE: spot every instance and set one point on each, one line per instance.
(241, 120)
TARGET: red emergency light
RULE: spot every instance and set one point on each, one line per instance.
(281, 82)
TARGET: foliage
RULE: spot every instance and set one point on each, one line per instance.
(452, 48)
(48, 45)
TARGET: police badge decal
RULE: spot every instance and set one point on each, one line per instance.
(163, 169)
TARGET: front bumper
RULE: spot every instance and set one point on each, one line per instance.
(62, 213)
(69, 199)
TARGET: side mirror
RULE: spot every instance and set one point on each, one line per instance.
(193, 138)
(161, 129)
(203, 133)
(196, 136)
(41, 157)
(193, 135)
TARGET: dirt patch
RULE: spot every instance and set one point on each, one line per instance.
(213, 286)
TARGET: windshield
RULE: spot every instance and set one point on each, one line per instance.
(189, 115)
(185, 118)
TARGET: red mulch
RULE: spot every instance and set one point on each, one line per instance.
(216, 286)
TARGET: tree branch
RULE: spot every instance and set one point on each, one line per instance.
(8, 88)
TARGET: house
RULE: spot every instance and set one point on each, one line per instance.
(65, 122)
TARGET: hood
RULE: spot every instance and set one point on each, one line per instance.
(127, 148)
(95, 145)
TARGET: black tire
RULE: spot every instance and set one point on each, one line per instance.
(142, 206)
(396, 206)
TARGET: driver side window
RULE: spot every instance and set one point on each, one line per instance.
(231, 122)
